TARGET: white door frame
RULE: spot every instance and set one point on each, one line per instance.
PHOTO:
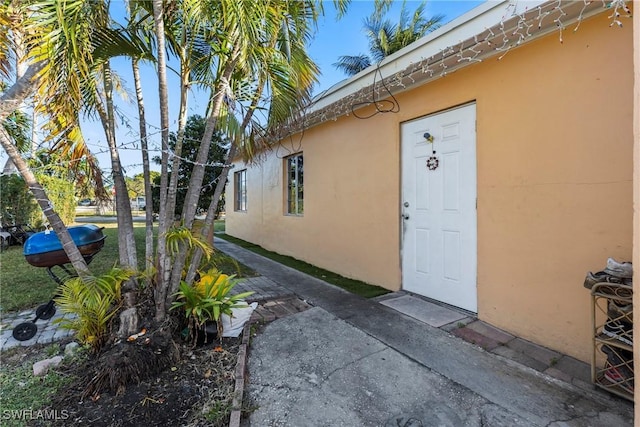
(439, 219)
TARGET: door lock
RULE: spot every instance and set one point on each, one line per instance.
(405, 216)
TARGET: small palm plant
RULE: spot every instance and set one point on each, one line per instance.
(94, 300)
(386, 37)
(208, 299)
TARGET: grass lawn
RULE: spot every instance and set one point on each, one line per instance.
(354, 286)
(23, 286)
(20, 390)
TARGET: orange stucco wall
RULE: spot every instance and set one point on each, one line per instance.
(554, 182)
(636, 187)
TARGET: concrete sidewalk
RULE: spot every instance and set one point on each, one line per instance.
(352, 361)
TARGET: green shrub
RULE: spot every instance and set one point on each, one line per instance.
(61, 192)
(17, 204)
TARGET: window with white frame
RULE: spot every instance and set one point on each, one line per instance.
(240, 185)
(295, 185)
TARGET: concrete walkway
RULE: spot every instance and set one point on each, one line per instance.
(352, 361)
(328, 357)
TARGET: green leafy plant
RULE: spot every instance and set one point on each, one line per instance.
(207, 299)
(94, 301)
(182, 238)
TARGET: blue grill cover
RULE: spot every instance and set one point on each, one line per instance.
(44, 249)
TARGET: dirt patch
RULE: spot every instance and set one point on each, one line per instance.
(196, 390)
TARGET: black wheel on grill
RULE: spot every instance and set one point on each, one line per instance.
(45, 311)
(25, 331)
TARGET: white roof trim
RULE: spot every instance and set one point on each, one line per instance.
(473, 23)
(490, 30)
(465, 26)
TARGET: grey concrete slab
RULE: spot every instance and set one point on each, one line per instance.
(45, 337)
(556, 373)
(458, 324)
(575, 368)
(537, 398)
(519, 357)
(533, 396)
(48, 331)
(390, 295)
(537, 352)
(313, 369)
(476, 338)
(425, 311)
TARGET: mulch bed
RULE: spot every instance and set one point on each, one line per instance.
(196, 390)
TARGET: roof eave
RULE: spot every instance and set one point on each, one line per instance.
(505, 25)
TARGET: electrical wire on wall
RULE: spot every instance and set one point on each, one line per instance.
(292, 147)
(381, 105)
(296, 147)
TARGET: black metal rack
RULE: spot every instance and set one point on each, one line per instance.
(611, 355)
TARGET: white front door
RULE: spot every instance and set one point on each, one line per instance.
(439, 242)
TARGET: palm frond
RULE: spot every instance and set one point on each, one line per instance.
(386, 37)
(18, 126)
(352, 65)
(182, 238)
(5, 38)
(94, 300)
(112, 42)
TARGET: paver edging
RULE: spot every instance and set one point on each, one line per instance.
(591, 391)
(238, 393)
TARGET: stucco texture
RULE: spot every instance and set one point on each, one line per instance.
(554, 183)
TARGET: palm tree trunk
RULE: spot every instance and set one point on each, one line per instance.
(18, 92)
(195, 183)
(197, 175)
(126, 240)
(172, 190)
(69, 246)
(209, 221)
(145, 169)
(176, 273)
(164, 267)
(208, 226)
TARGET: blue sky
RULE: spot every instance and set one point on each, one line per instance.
(333, 38)
(346, 36)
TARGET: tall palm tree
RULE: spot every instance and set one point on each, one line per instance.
(61, 45)
(141, 23)
(386, 37)
(57, 64)
(100, 100)
(279, 67)
(255, 56)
